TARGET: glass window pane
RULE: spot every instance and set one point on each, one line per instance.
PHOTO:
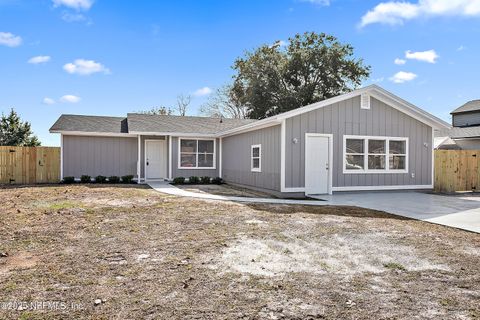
(189, 146)
(354, 162)
(205, 160)
(354, 145)
(397, 162)
(398, 147)
(256, 163)
(188, 160)
(376, 146)
(205, 146)
(376, 162)
(256, 152)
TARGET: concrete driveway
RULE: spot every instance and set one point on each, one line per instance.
(459, 211)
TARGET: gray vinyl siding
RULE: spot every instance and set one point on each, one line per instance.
(142, 152)
(466, 119)
(346, 118)
(93, 156)
(176, 172)
(236, 165)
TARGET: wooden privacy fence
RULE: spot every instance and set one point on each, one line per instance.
(457, 170)
(28, 165)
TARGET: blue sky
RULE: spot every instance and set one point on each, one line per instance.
(106, 57)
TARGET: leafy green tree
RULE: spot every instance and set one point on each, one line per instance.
(15, 132)
(312, 67)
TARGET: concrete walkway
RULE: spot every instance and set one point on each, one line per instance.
(461, 212)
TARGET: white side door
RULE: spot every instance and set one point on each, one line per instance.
(155, 159)
(317, 164)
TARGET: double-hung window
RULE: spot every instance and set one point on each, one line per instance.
(256, 158)
(197, 154)
(375, 154)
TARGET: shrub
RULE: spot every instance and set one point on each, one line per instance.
(205, 180)
(179, 180)
(127, 179)
(194, 180)
(100, 179)
(217, 180)
(68, 180)
(114, 179)
(85, 179)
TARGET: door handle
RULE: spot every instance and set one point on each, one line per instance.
(327, 167)
(148, 163)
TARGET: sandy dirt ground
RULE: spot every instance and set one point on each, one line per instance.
(128, 252)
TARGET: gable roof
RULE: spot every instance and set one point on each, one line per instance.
(99, 124)
(136, 123)
(145, 123)
(372, 90)
(470, 106)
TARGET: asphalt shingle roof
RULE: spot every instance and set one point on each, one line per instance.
(181, 124)
(70, 122)
(135, 122)
(465, 132)
(473, 105)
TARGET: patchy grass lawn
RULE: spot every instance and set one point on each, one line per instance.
(131, 253)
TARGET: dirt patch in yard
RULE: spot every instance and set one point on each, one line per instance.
(133, 253)
(225, 190)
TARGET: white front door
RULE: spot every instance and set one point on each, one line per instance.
(155, 159)
(317, 164)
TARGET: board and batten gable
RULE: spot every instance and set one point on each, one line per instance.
(97, 155)
(347, 118)
(236, 164)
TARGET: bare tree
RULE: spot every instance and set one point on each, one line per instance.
(182, 104)
(224, 103)
(157, 111)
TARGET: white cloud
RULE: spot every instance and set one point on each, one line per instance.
(85, 67)
(461, 48)
(48, 101)
(205, 91)
(10, 40)
(399, 61)
(402, 76)
(73, 17)
(396, 12)
(39, 59)
(70, 99)
(318, 2)
(429, 56)
(74, 4)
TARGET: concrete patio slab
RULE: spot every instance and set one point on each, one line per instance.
(461, 212)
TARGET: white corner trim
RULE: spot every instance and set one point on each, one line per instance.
(282, 156)
(366, 154)
(139, 158)
(179, 149)
(170, 157)
(433, 157)
(380, 188)
(61, 156)
(259, 169)
(220, 158)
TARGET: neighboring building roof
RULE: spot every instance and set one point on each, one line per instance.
(464, 132)
(100, 124)
(470, 106)
(145, 123)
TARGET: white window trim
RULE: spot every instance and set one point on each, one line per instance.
(197, 168)
(259, 169)
(365, 154)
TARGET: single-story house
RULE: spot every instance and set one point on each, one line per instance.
(368, 139)
(465, 133)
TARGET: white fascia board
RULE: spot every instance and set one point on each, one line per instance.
(261, 124)
(94, 134)
(174, 134)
